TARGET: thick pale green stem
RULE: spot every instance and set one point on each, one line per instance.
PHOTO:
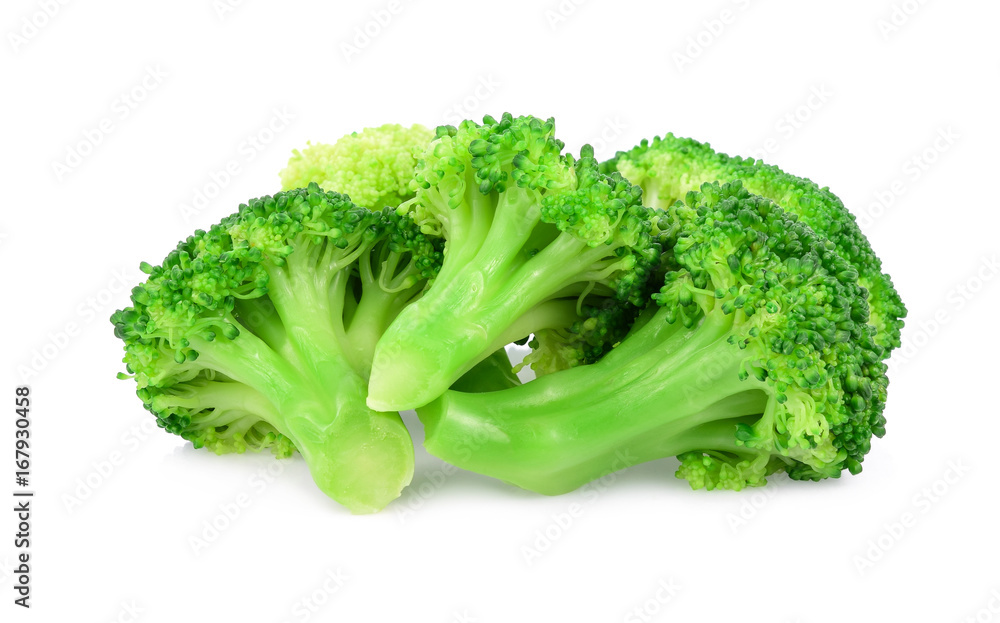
(437, 339)
(563, 262)
(374, 313)
(359, 457)
(312, 323)
(260, 317)
(217, 400)
(248, 360)
(559, 432)
(557, 314)
(463, 319)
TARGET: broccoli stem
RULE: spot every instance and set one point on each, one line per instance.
(466, 226)
(249, 360)
(443, 335)
(380, 303)
(460, 321)
(360, 457)
(215, 399)
(555, 314)
(223, 409)
(566, 429)
(260, 317)
(312, 320)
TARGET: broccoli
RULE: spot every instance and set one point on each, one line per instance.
(532, 237)
(373, 167)
(259, 333)
(678, 302)
(755, 357)
(668, 168)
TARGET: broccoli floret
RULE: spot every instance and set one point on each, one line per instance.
(531, 235)
(668, 168)
(373, 167)
(754, 357)
(259, 333)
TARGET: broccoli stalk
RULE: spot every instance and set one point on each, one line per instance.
(754, 357)
(530, 236)
(668, 168)
(260, 332)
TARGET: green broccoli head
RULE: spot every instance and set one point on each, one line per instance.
(259, 333)
(794, 310)
(754, 357)
(529, 233)
(373, 167)
(668, 168)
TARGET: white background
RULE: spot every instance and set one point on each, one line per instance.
(899, 120)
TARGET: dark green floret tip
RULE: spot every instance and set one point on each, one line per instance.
(669, 167)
